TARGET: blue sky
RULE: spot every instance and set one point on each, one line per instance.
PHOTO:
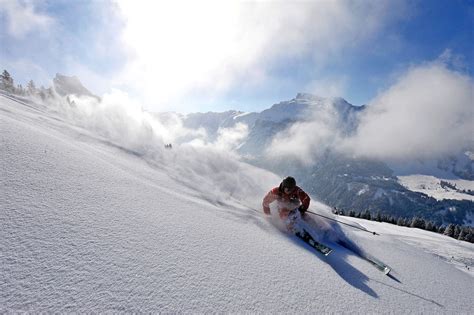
(211, 55)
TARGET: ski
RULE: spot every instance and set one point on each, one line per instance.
(295, 224)
(368, 258)
(377, 264)
(308, 239)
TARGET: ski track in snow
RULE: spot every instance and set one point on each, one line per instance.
(87, 226)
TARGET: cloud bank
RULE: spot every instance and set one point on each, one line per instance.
(186, 50)
(428, 112)
(23, 18)
(306, 141)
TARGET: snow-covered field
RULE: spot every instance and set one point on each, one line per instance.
(89, 223)
(431, 186)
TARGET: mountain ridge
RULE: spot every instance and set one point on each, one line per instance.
(66, 85)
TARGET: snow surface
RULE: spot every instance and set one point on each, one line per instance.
(431, 186)
(94, 222)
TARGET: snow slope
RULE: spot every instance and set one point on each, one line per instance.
(431, 186)
(94, 224)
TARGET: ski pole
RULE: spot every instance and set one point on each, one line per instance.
(356, 227)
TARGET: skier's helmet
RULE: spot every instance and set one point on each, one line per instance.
(289, 182)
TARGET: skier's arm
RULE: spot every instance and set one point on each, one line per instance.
(269, 198)
(305, 200)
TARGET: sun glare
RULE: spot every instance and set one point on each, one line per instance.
(180, 46)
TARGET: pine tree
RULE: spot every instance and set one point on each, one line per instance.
(418, 222)
(470, 236)
(449, 231)
(31, 88)
(378, 217)
(366, 215)
(431, 226)
(6, 82)
(400, 221)
(422, 223)
(20, 90)
(457, 231)
(392, 220)
(352, 213)
(407, 222)
(49, 92)
(42, 93)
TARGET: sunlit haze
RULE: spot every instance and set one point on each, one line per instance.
(190, 56)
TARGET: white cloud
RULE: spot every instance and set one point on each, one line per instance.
(229, 138)
(428, 113)
(22, 18)
(306, 141)
(456, 61)
(188, 48)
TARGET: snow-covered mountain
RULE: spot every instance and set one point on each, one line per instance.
(301, 108)
(341, 180)
(96, 223)
(439, 189)
(263, 126)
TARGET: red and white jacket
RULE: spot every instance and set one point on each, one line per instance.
(294, 198)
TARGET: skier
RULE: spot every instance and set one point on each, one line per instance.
(289, 197)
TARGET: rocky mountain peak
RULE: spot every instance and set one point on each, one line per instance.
(65, 85)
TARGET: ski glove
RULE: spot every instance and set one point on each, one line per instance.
(301, 209)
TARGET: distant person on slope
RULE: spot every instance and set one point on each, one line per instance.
(288, 197)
